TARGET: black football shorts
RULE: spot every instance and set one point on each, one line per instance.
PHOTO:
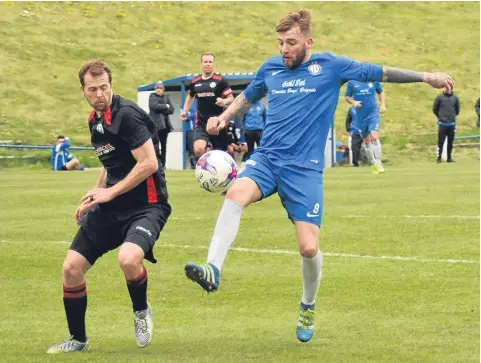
(104, 229)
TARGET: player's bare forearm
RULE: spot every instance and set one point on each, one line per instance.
(239, 105)
(349, 99)
(141, 171)
(102, 181)
(382, 98)
(146, 165)
(189, 100)
(228, 100)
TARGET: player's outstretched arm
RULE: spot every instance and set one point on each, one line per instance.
(436, 79)
(239, 106)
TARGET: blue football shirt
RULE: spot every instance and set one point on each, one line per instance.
(301, 103)
(366, 93)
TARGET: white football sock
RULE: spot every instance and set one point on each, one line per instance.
(370, 154)
(311, 277)
(376, 151)
(225, 232)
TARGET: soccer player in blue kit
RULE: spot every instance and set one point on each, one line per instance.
(362, 95)
(302, 91)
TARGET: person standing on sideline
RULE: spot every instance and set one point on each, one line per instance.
(354, 129)
(161, 107)
(446, 108)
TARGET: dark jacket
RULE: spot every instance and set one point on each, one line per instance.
(476, 107)
(446, 107)
(160, 109)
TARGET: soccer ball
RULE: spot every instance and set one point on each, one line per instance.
(215, 171)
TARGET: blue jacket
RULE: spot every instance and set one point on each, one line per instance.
(191, 116)
(60, 155)
(255, 118)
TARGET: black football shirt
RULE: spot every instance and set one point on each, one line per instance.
(122, 128)
(207, 91)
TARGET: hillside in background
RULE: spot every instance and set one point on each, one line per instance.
(44, 44)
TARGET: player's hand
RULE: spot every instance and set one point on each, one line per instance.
(80, 212)
(244, 148)
(439, 80)
(97, 196)
(382, 109)
(357, 104)
(220, 102)
(215, 124)
(183, 115)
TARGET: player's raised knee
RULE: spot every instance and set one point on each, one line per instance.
(244, 192)
(130, 258)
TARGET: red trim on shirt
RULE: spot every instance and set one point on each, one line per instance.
(91, 116)
(151, 191)
(195, 79)
(108, 117)
(217, 77)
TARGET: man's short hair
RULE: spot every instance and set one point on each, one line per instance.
(60, 137)
(94, 68)
(206, 53)
(301, 18)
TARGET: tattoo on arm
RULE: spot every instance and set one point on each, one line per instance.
(398, 75)
(239, 106)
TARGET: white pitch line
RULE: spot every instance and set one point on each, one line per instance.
(415, 217)
(360, 216)
(287, 252)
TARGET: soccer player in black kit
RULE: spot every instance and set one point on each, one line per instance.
(127, 208)
(213, 94)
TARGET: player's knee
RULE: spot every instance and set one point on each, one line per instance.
(72, 271)
(243, 193)
(235, 194)
(308, 250)
(129, 262)
(199, 151)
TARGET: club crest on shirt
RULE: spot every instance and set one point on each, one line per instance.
(370, 85)
(100, 129)
(212, 84)
(314, 69)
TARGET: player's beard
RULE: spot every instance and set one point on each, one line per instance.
(296, 61)
(100, 107)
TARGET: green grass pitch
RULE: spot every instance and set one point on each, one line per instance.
(423, 308)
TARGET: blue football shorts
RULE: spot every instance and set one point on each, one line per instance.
(300, 189)
(364, 126)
